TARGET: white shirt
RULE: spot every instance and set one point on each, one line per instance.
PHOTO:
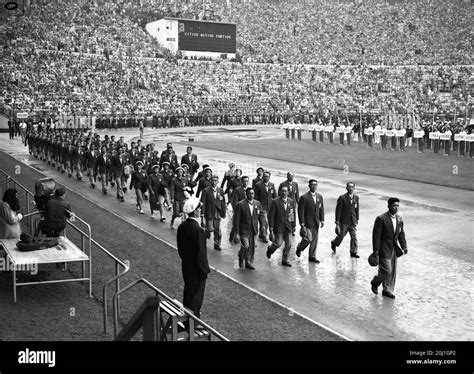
(214, 192)
(394, 222)
(314, 196)
(250, 206)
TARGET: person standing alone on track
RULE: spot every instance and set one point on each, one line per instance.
(191, 241)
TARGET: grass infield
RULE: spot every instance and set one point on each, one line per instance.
(449, 171)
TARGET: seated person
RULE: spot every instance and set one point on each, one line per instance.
(56, 213)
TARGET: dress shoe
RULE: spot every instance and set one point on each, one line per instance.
(355, 255)
(162, 219)
(373, 287)
(286, 263)
(269, 253)
(333, 247)
(104, 192)
(241, 262)
(388, 294)
(249, 266)
(298, 252)
(313, 259)
(217, 248)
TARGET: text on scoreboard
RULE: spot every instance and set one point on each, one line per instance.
(206, 36)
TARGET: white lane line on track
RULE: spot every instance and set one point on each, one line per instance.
(216, 270)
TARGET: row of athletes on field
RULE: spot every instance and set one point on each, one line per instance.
(259, 208)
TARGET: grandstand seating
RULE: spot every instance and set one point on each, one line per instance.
(94, 56)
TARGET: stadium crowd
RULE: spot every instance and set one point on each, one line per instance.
(87, 56)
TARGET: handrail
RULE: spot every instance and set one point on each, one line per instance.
(189, 313)
(118, 275)
(143, 317)
(118, 262)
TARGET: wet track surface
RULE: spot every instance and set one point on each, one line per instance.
(434, 291)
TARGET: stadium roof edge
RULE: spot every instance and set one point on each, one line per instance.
(198, 20)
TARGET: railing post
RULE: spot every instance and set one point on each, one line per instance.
(117, 287)
(148, 324)
(83, 263)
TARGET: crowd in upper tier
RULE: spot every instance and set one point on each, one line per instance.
(90, 56)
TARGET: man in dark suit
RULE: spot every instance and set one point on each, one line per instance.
(387, 238)
(311, 217)
(347, 218)
(245, 221)
(171, 158)
(213, 209)
(192, 250)
(56, 214)
(190, 159)
(238, 195)
(205, 181)
(102, 168)
(91, 160)
(293, 188)
(117, 163)
(201, 173)
(259, 176)
(282, 223)
(178, 185)
(265, 192)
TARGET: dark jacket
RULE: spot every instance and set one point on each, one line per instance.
(282, 220)
(57, 212)
(139, 180)
(384, 239)
(347, 213)
(202, 184)
(191, 240)
(237, 195)
(294, 192)
(265, 197)
(102, 165)
(193, 165)
(309, 213)
(244, 223)
(211, 205)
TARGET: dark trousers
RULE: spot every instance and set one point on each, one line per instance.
(194, 294)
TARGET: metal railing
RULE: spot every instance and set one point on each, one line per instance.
(86, 238)
(162, 295)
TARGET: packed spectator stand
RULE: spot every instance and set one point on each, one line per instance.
(94, 58)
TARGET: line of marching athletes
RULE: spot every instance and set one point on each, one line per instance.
(166, 183)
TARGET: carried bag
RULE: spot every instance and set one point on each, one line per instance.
(27, 243)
